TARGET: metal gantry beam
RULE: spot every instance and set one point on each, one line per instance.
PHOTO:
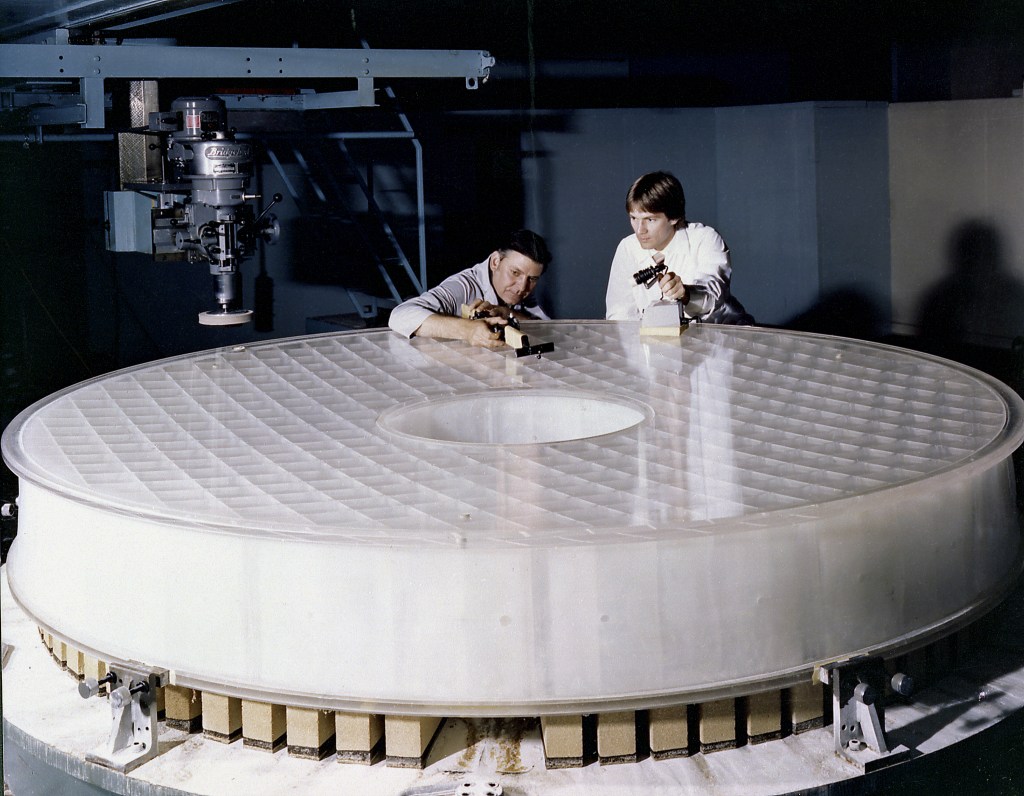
(159, 61)
(91, 65)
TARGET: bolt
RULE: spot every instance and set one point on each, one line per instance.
(139, 686)
(902, 684)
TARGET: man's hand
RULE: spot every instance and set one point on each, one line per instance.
(672, 288)
(486, 332)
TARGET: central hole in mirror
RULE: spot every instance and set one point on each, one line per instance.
(513, 417)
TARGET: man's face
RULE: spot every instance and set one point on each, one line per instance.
(514, 276)
(653, 230)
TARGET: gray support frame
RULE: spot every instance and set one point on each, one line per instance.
(93, 64)
(158, 60)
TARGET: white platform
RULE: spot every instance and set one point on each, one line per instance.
(347, 520)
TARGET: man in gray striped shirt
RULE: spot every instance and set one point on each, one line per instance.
(498, 288)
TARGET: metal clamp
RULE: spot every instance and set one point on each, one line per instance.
(133, 703)
(858, 713)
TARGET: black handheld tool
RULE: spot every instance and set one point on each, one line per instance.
(649, 275)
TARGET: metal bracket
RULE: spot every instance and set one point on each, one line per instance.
(526, 349)
(462, 787)
(473, 787)
(133, 703)
(858, 713)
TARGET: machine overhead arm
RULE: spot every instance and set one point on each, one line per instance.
(159, 60)
(92, 64)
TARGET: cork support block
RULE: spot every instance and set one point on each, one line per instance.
(263, 725)
(805, 706)
(616, 737)
(943, 656)
(515, 337)
(407, 739)
(662, 331)
(310, 732)
(668, 733)
(183, 708)
(961, 648)
(764, 716)
(222, 717)
(75, 661)
(718, 725)
(358, 737)
(97, 669)
(971, 638)
(920, 664)
(563, 741)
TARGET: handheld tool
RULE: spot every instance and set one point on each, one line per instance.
(512, 334)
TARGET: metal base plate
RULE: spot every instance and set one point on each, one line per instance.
(232, 318)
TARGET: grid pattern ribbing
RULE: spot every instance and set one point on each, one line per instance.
(282, 437)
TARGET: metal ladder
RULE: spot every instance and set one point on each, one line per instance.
(332, 180)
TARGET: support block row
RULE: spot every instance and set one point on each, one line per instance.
(569, 740)
(680, 730)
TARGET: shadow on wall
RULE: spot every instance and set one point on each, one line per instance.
(979, 302)
(846, 312)
(975, 314)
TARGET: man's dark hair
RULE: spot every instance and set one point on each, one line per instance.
(658, 192)
(529, 244)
